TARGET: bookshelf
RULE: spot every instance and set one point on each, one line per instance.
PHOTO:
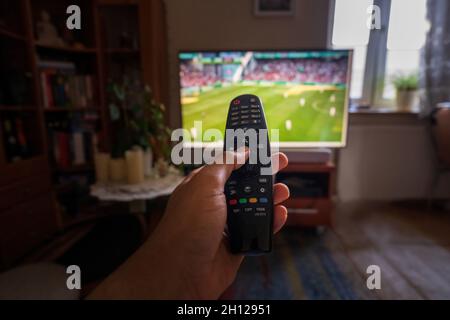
(53, 101)
(41, 47)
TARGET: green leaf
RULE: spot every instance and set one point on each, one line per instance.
(406, 81)
(144, 142)
(119, 92)
(114, 112)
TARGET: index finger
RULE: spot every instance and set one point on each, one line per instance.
(279, 162)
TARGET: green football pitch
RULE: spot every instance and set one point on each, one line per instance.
(301, 113)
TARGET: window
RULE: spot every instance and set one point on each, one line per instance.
(349, 16)
(379, 53)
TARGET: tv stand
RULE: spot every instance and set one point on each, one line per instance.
(312, 187)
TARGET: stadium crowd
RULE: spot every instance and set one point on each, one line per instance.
(193, 77)
(298, 71)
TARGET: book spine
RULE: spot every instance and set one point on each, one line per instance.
(73, 92)
(49, 92)
(87, 139)
(56, 151)
(83, 91)
(21, 138)
(44, 90)
(54, 86)
(67, 102)
(78, 148)
(10, 139)
(64, 149)
(60, 89)
(77, 90)
(89, 90)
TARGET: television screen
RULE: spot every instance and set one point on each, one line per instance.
(304, 93)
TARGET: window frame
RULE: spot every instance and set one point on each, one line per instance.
(376, 55)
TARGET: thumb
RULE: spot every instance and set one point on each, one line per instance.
(224, 165)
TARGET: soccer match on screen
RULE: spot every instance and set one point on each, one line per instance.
(303, 92)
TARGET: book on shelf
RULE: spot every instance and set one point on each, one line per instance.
(72, 141)
(61, 86)
(15, 139)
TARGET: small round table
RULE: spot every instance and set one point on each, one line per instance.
(137, 194)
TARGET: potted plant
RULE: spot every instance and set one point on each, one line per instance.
(137, 121)
(406, 90)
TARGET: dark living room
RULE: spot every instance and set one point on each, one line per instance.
(114, 115)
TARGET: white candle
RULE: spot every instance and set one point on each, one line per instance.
(118, 170)
(102, 166)
(135, 165)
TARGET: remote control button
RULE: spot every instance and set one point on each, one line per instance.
(252, 100)
(245, 122)
(234, 123)
(253, 200)
(247, 189)
(263, 200)
(254, 106)
(263, 180)
(260, 209)
(232, 182)
(244, 107)
(250, 170)
(235, 113)
(255, 121)
(243, 200)
(244, 117)
(256, 116)
(232, 202)
(262, 190)
(245, 111)
(255, 111)
(236, 210)
(249, 209)
(236, 102)
(246, 141)
(234, 118)
(233, 192)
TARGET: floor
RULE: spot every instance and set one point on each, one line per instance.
(409, 243)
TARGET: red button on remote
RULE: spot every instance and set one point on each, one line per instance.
(236, 101)
(233, 202)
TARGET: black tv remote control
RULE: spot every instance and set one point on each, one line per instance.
(249, 190)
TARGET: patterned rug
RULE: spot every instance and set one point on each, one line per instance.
(302, 266)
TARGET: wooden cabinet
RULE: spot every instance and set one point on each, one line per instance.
(27, 206)
(27, 209)
(25, 226)
(34, 127)
(311, 188)
(22, 190)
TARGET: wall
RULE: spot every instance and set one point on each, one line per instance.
(388, 157)
(231, 24)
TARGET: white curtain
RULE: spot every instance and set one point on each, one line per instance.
(435, 66)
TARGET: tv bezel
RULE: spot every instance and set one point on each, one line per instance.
(280, 145)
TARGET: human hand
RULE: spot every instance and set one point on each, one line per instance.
(194, 223)
(187, 255)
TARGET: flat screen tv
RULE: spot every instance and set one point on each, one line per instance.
(304, 93)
